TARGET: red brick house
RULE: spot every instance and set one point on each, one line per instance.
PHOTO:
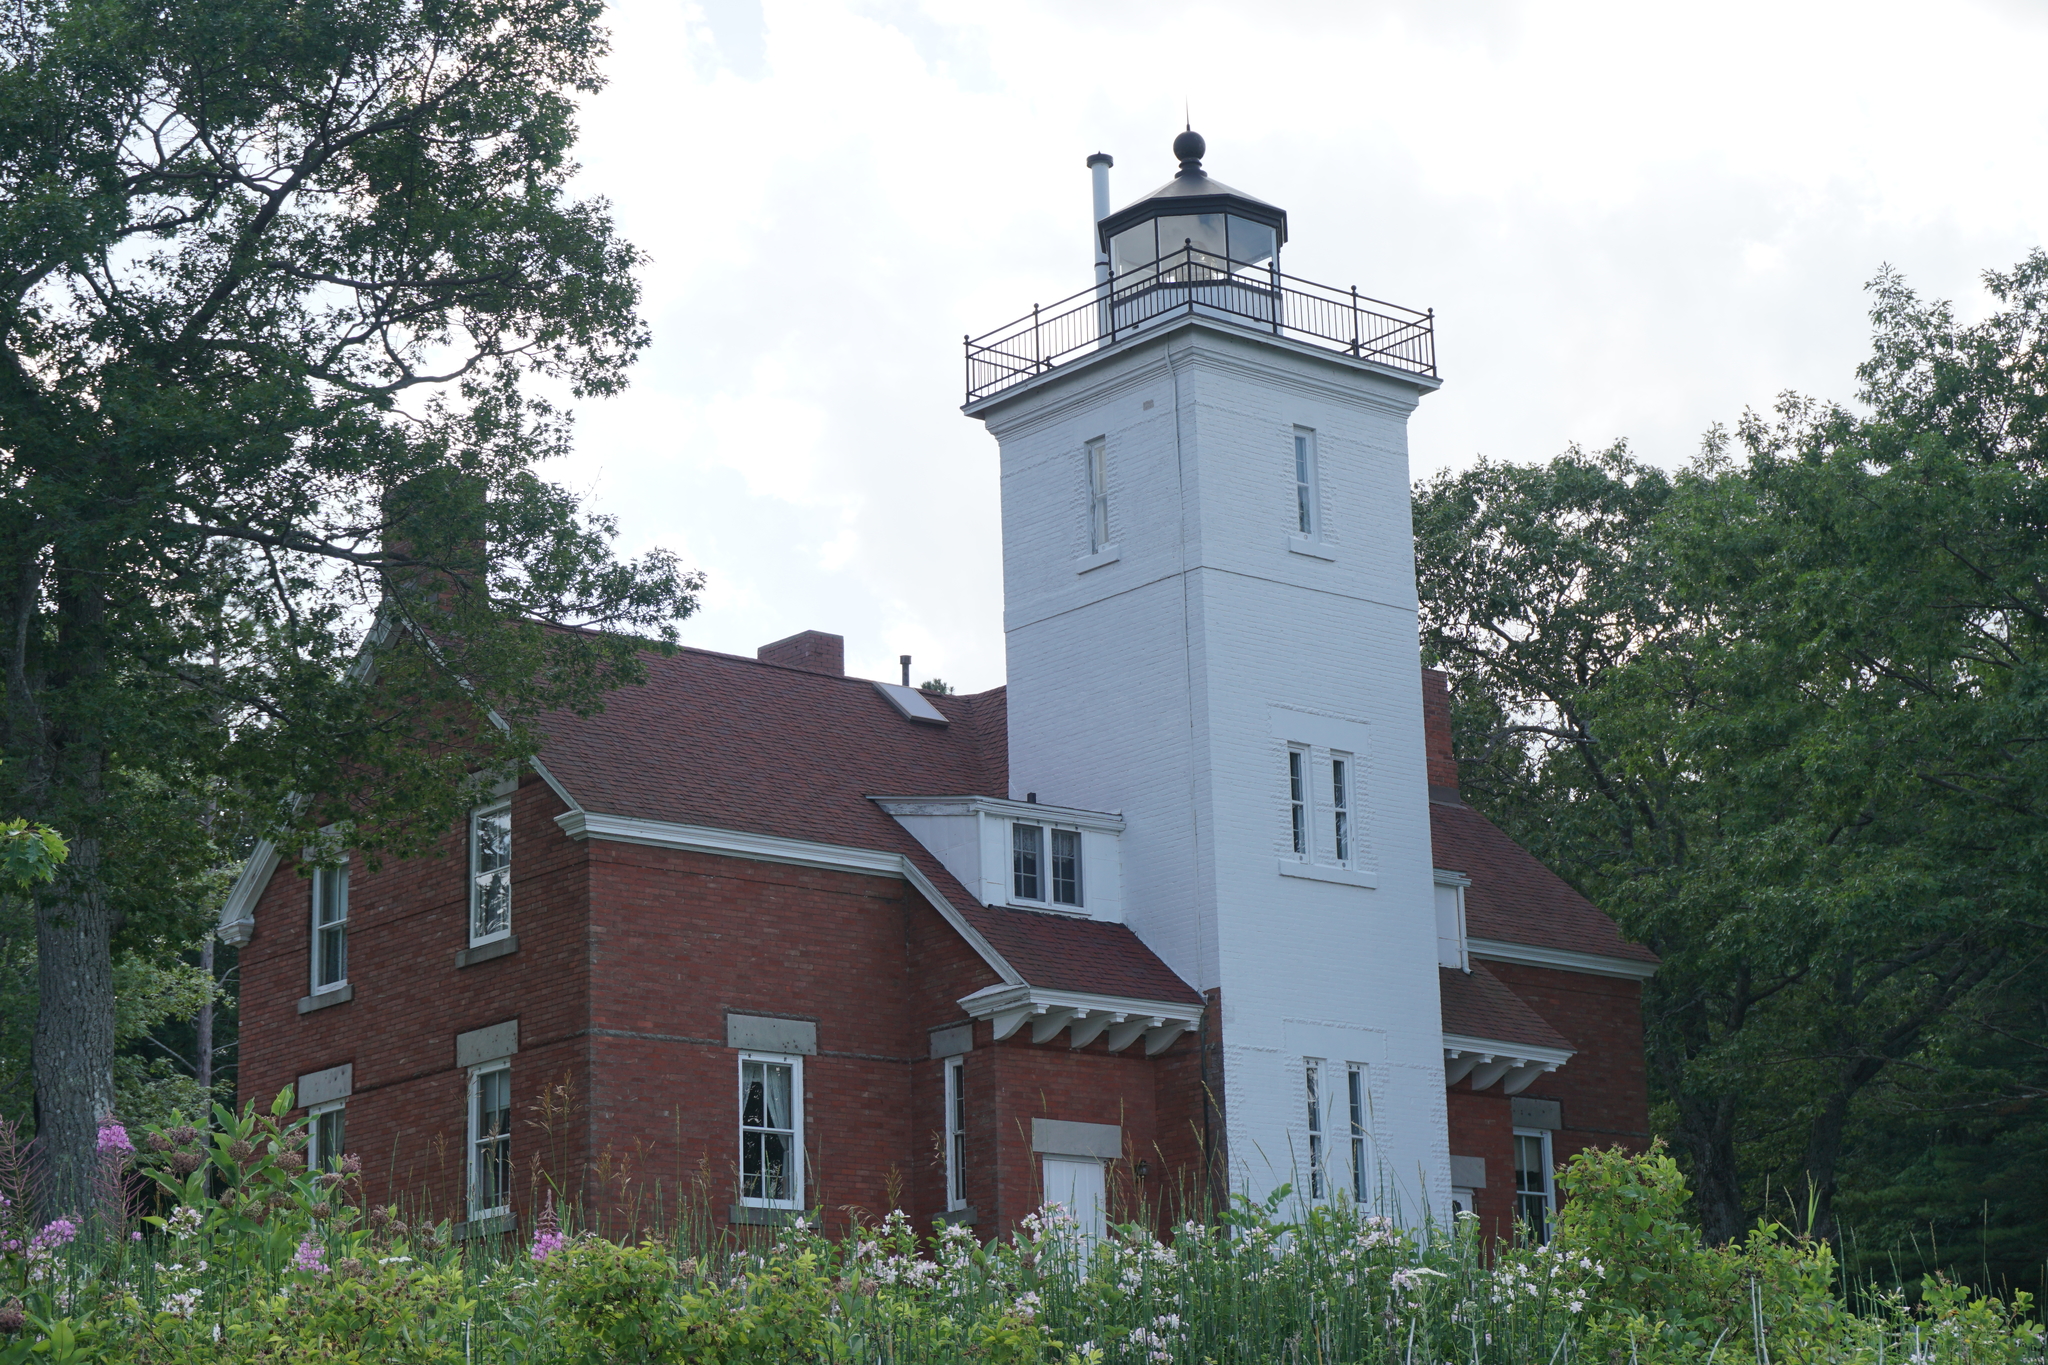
(778, 940)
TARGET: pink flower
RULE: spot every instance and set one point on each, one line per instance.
(546, 1244)
(310, 1258)
(58, 1232)
(114, 1139)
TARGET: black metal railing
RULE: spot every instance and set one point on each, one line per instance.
(1194, 282)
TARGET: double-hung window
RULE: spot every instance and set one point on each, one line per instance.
(330, 928)
(490, 1140)
(490, 873)
(1355, 1091)
(1098, 497)
(1535, 1199)
(325, 1135)
(1027, 857)
(1297, 799)
(771, 1131)
(1340, 807)
(1316, 1181)
(956, 1133)
(1035, 876)
(1306, 514)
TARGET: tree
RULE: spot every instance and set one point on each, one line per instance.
(1790, 733)
(277, 281)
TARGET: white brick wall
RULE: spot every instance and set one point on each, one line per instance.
(1147, 685)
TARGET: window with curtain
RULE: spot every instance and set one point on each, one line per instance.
(1027, 857)
(771, 1149)
(1533, 1196)
(956, 1133)
(490, 1141)
(490, 873)
(330, 928)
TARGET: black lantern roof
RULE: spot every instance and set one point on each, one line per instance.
(1194, 191)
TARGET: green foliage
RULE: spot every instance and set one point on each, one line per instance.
(1780, 715)
(282, 1266)
(29, 855)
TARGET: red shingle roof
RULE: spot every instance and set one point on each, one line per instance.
(1515, 898)
(734, 743)
(1477, 1005)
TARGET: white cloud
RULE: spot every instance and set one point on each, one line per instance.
(1632, 221)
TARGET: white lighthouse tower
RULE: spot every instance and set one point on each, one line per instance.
(1209, 601)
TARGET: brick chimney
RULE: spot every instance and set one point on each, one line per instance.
(812, 650)
(1436, 736)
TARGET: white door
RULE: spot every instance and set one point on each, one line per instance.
(1074, 1184)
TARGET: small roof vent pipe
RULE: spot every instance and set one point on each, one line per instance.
(904, 659)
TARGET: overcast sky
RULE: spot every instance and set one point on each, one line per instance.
(1632, 220)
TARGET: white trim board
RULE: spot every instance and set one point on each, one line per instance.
(1561, 959)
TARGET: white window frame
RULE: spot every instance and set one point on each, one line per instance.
(1343, 790)
(473, 1148)
(1300, 793)
(1039, 869)
(956, 1133)
(1549, 1191)
(1318, 1149)
(322, 878)
(1308, 509)
(1047, 897)
(795, 1063)
(1096, 457)
(318, 1157)
(1358, 1097)
(475, 886)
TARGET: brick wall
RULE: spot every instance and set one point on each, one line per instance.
(1603, 1090)
(406, 1117)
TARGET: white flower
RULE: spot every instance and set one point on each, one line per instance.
(183, 1303)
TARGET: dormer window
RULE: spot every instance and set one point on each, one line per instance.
(1034, 877)
(1027, 850)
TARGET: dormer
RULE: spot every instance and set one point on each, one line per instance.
(1021, 854)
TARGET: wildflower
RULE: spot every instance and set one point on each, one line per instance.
(113, 1140)
(56, 1233)
(547, 1233)
(310, 1258)
(350, 1164)
(394, 1260)
(184, 1163)
(183, 1303)
(1026, 1306)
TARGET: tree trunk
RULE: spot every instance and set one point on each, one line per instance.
(202, 1027)
(74, 1039)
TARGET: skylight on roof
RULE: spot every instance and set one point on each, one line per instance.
(911, 704)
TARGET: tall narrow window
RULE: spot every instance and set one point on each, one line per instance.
(1305, 482)
(1533, 1197)
(490, 873)
(771, 1127)
(1098, 497)
(1315, 1131)
(1340, 806)
(1355, 1082)
(956, 1133)
(490, 1140)
(330, 928)
(324, 1135)
(1297, 804)
(1066, 867)
(1027, 854)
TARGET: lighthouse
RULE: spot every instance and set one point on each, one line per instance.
(1210, 618)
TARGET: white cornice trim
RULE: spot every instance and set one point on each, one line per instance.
(1560, 959)
(1466, 1045)
(1009, 810)
(1485, 1061)
(769, 848)
(238, 914)
(1083, 1016)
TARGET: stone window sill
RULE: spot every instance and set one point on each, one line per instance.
(965, 1217)
(320, 1000)
(747, 1215)
(1108, 554)
(1343, 876)
(491, 1226)
(484, 952)
(1313, 548)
